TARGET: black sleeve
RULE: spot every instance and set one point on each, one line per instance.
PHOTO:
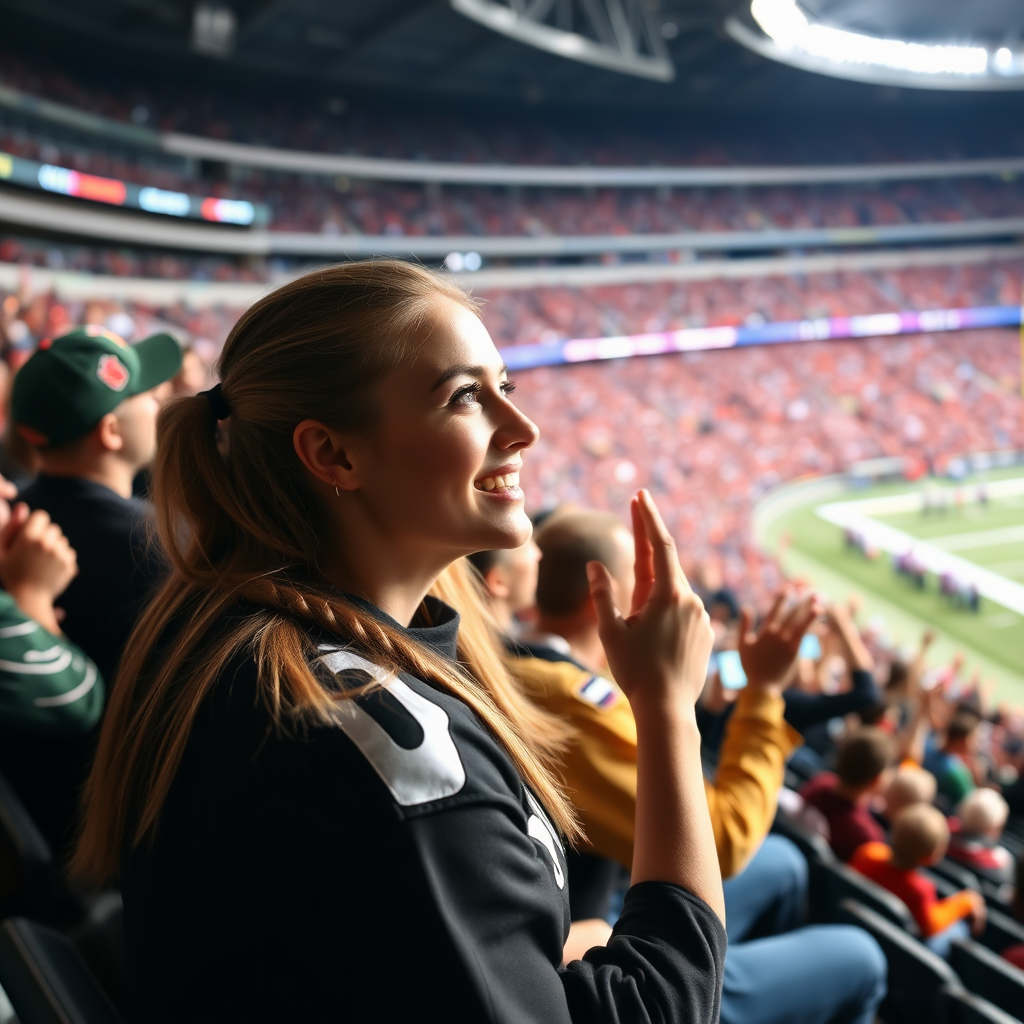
(806, 709)
(663, 963)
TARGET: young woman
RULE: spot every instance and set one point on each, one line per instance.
(322, 796)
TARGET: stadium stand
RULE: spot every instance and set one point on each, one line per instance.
(984, 971)
(917, 976)
(624, 267)
(26, 861)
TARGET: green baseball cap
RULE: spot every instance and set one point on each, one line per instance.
(70, 383)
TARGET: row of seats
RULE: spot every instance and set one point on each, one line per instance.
(75, 975)
(922, 986)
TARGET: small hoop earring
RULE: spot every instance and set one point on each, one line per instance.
(336, 491)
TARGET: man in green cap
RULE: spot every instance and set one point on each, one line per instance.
(85, 402)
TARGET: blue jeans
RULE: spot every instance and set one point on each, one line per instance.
(941, 942)
(779, 973)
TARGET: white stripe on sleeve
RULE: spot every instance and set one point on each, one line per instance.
(72, 695)
(22, 629)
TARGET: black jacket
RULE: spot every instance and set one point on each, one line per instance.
(392, 868)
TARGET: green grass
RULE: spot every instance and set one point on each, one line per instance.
(992, 640)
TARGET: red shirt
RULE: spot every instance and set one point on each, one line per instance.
(931, 914)
(851, 825)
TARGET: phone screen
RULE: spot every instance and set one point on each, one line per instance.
(810, 647)
(730, 670)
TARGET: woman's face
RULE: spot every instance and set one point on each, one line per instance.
(444, 455)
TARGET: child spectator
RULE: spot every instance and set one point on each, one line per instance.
(844, 797)
(909, 785)
(982, 816)
(920, 837)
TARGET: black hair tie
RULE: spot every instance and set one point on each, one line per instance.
(218, 403)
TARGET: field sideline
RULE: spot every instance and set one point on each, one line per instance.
(978, 540)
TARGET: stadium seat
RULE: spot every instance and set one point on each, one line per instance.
(46, 980)
(1001, 932)
(99, 939)
(916, 975)
(956, 874)
(26, 860)
(841, 883)
(961, 1007)
(989, 975)
(815, 849)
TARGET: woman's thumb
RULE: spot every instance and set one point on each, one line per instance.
(601, 594)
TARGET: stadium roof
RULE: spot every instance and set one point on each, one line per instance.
(428, 49)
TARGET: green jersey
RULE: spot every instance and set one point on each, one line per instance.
(47, 685)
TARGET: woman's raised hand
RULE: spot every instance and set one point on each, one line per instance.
(659, 652)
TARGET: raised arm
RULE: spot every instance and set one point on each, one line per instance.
(658, 655)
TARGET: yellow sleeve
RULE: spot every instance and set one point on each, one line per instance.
(743, 796)
(600, 767)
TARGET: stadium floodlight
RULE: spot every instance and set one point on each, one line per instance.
(792, 36)
(213, 30)
(618, 35)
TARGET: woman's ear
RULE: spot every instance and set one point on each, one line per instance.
(322, 451)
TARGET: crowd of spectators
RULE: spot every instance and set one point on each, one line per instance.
(339, 205)
(708, 432)
(309, 203)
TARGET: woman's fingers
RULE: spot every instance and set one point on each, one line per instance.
(600, 581)
(643, 562)
(668, 574)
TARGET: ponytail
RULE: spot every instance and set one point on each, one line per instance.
(239, 523)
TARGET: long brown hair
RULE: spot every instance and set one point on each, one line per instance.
(239, 522)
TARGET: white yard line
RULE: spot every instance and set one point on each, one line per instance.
(856, 515)
(979, 539)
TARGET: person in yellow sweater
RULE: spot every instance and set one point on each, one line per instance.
(560, 663)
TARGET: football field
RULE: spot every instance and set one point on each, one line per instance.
(971, 534)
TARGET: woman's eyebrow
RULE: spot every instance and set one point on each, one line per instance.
(464, 371)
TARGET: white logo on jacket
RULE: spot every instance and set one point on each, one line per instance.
(431, 771)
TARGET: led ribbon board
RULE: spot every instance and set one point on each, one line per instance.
(114, 192)
(699, 339)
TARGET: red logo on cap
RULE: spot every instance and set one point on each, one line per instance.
(113, 373)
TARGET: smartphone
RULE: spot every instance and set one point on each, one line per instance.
(730, 670)
(810, 647)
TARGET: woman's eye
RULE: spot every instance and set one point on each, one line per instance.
(465, 395)
(508, 387)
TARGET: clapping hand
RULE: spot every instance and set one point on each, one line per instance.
(769, 653)
(658, 652)
(36, 561)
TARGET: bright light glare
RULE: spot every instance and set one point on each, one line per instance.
(788, 26)
(1004, 58)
